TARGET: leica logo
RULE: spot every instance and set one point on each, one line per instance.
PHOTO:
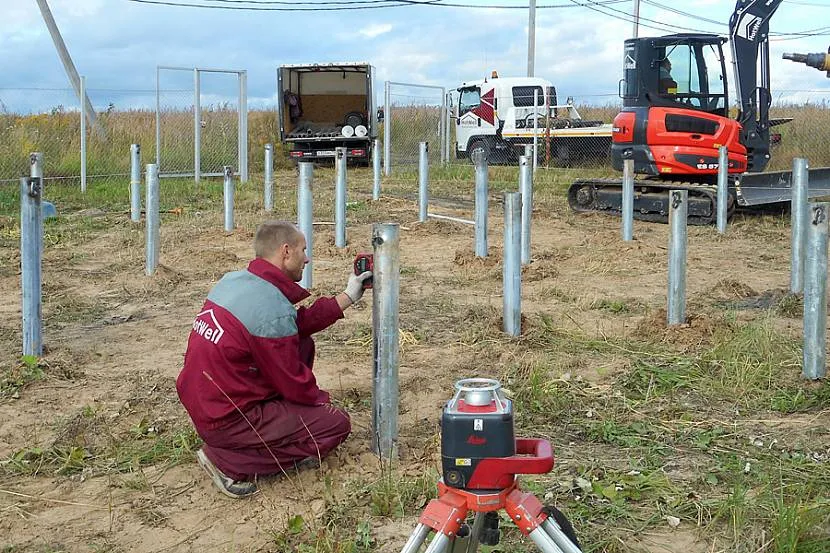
(476, 440)
(208, 327)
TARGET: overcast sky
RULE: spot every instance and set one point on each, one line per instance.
(117, 45)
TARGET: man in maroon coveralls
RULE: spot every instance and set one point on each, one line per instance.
(247, 380)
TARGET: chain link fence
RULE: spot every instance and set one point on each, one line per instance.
(413, 114)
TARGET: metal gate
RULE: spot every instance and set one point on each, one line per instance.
(201, 121)
(414, 113)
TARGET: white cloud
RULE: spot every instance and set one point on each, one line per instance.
(376, 30)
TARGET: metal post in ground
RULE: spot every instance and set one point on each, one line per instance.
(305, 216)
(376, 169)
(512, 273)
(340, 199)
(526, 189)
(386, 292)
(83, 134)
(227, 196)
(798, 215)
(815, 292)
(36, 172)
(269, 178)
(243, 126)
(31, 253)
(423, 181)
(628, 201)
(151, 207)
(529, 156)
(723, 188)
(678, 213)
(387, 130)
(135, 183)
(482, 201)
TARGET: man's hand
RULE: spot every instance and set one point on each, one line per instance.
(354, 289)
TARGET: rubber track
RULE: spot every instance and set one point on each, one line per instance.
(660, 215)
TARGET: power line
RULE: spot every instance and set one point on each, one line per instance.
(345, 5)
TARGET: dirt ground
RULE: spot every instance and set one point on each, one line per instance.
(115, 339)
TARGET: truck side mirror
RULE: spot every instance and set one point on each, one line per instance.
(380, 115)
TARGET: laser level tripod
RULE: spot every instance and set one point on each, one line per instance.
(480, 459)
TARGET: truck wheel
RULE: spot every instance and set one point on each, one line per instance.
(563, 156)
(481, 146)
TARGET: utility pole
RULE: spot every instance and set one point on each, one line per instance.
(636, 18)
(71, 72)
(531, 39)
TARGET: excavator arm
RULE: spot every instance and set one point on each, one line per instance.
(749, 37)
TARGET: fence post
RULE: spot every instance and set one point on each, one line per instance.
(376, 169)
(197, 126)
(628, 201)
(815, 292)
(387, 130)
(444, 127)
(31, 254)
(340, 199)
(723, 188)
(227, 170)
(423, 181)
(135, 183)
(36, 171)
(526, 189)
(798, 215)
(243, 126)
(83, 134)
(512, 270)
(269, 178)
(482, 201)
(305, 216)
(678, 213)
(450, 125)
(386, 291)
(151, 206)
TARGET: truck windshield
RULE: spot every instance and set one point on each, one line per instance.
(469, 100)
(692, 74)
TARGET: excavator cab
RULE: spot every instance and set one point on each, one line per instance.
(674, 94)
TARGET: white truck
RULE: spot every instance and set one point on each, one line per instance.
(498, 116)
(323, 106)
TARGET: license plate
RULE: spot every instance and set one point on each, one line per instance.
(329, 153)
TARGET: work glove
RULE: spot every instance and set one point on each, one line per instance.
(354, 289)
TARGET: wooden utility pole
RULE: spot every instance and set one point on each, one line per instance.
(71, 72)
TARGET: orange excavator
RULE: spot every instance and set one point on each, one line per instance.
(675, 117)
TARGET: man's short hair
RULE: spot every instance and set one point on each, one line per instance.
(271, 235)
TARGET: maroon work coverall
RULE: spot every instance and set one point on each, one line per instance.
(247, 380)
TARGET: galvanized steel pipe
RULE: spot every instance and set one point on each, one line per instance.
(340, 199)
(376, 169)
(385, 313)
(135, 183)
(512, 267)
(723, 188)
(387, 130)
(269, 178)
(526, 189)
(151, 205)
(31, 253)
(482, 202)
(227, 170)
(197, 126)
(815, 292)
(305, 216)
(798, 216)
(628, 201)
(423, 181)
(678, 213)
(83, 134)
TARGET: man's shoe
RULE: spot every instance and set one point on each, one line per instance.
(228, 486)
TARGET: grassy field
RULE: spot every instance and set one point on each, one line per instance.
(697, 438)
(57, 135)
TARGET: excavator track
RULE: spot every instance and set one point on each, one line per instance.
(651, 199)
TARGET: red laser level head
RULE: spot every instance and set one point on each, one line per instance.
(479, 450)
(362, 263)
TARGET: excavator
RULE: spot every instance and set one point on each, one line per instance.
(675, 117)
(820, 61)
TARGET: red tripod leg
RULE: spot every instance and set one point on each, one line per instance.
(445, 515)
(525, 511)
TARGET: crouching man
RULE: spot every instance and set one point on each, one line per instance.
(247, 380)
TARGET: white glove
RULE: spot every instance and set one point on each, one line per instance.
(354, 289)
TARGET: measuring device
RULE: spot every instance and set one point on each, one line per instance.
(362, 263)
